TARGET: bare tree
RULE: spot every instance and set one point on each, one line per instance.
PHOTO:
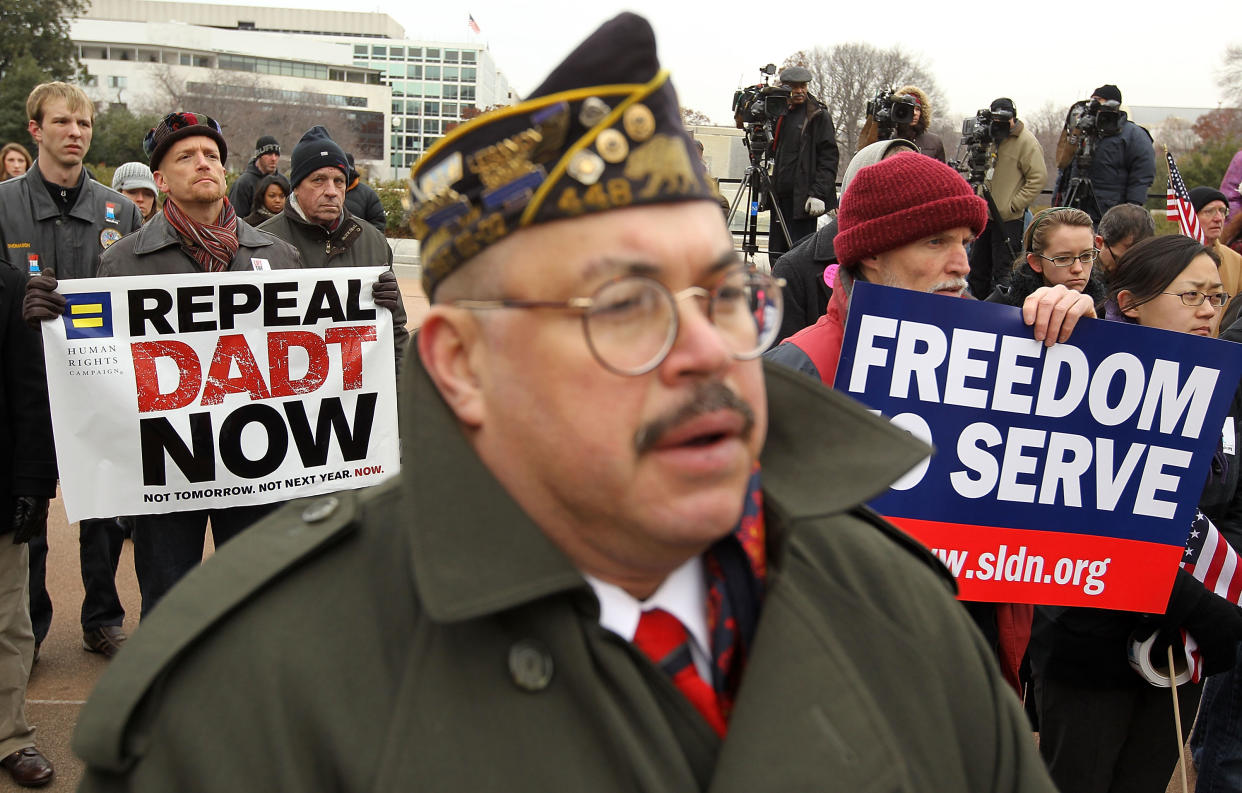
(1177, 133)
(846, 76)
(249, 105)
(1046, 125)
(1230, 76)
(690, 117)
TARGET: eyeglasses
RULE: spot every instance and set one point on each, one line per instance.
(1195, 299)
(1085, 259)
(631, 322)
(1214, 211)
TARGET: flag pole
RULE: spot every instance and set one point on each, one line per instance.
(1177, 715)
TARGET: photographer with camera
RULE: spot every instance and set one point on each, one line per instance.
(805, 160)
(1105, 159)
(1010, 185)
(905, 113)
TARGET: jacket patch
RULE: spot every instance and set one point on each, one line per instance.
(110, 212)
(109, 236)
(18, 245)
(260, 264)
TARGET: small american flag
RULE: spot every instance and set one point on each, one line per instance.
(474, 26)
(1179, 206)
(1210, 559)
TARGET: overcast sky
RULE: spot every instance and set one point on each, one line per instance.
(977, 52)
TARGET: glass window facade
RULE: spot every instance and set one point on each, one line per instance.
(420, 78)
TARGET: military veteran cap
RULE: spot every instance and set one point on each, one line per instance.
(603, 132)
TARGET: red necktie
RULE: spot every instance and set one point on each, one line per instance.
(664, 640)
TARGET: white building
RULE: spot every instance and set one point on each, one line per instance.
(278, 71)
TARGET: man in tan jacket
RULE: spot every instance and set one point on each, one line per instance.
(1012, 185)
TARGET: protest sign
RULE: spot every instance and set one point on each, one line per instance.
(1066, 475)
(208, 390)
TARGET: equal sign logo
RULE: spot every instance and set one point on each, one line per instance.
(88, 315)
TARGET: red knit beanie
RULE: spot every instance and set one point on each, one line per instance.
(901, 199)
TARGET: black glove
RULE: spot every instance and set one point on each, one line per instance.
(29, 518)
(42, 301)
(1215, 623)
(387, 292)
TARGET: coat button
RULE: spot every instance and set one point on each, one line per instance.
(320, 509)
(530, 665)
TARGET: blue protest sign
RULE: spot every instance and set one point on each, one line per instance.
(1066, 475)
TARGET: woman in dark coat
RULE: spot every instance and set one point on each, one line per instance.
(1057, 248)
(1102, 726)
(269, 198)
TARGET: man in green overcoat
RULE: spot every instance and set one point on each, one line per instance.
(621, 554)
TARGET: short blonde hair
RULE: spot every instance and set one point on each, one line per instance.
(74, 97)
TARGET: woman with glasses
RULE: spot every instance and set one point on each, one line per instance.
(1102, 726)
(1057, 248)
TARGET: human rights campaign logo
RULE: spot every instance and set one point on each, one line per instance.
(88, 315)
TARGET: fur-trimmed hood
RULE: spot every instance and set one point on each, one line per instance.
(925, 116)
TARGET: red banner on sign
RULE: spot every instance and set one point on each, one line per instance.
(1022, 566)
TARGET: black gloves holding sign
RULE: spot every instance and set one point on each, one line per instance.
(29, 518)
(42, 301)
(387, 292)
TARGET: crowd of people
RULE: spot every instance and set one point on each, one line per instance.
(628, 547)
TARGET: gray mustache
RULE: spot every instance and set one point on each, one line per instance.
(707, 398)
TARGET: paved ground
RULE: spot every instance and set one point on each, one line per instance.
(65, 674)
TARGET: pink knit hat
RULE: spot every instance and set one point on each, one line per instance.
(901, 199)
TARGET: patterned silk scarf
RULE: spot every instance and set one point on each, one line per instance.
(736, 569)
(213, 246)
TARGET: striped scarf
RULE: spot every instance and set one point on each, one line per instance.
(213, 246)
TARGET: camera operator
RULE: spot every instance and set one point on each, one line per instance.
(916, 131)
(804, 163)
(1012, 184)
(1123, 166)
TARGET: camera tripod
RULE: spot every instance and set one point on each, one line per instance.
(1081, 193)
(756, 183)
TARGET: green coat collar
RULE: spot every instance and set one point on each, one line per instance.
(475, 552)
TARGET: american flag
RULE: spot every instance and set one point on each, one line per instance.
(1179, 206)
(472, 24)
(1210, 559)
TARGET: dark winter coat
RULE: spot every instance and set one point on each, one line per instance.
(1122, 171)
(70, 245)
(1024, 281)
(364, 203)
(352, 244)
(452, 647)
(156, 249)
(818, 157)
(805, 293)
(241, 195)
(27, 454)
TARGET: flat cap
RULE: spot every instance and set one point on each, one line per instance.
(795, 74)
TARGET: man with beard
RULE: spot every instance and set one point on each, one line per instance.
(58, 220)
(906, 222)
(582, 578)
(804, 164)
(197, 231)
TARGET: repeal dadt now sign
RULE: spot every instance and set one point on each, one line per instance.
(180, 392)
